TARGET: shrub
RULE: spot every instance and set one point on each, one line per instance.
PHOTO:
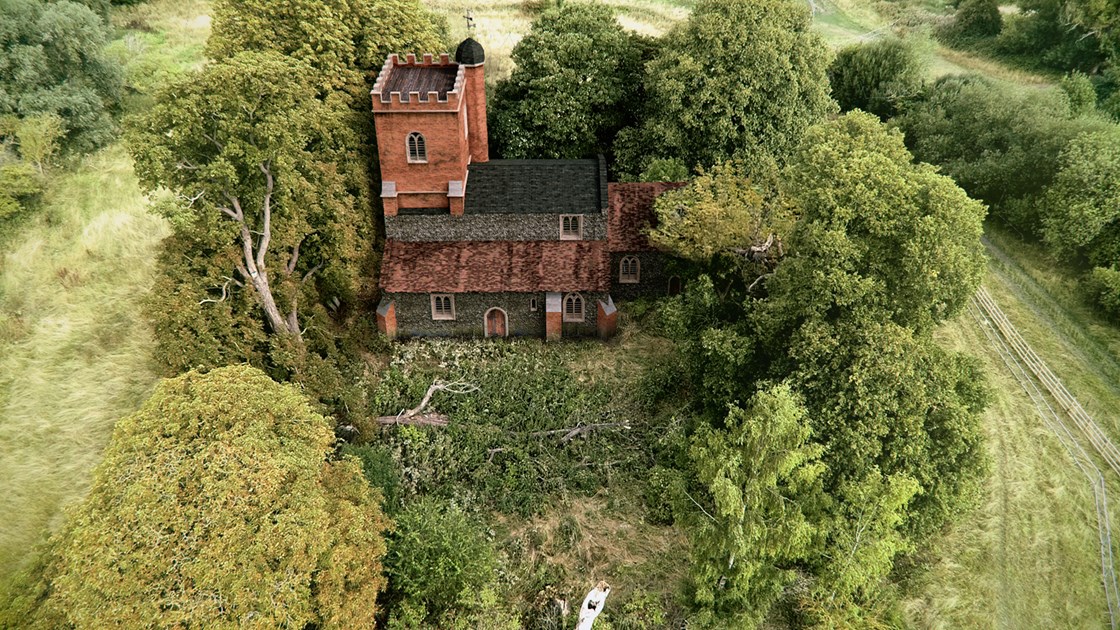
(877, 77)
(1103, 284)
(439, 557)
(977, 18)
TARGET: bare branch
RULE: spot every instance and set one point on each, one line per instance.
(267, 210)
(225, 292)
(311, 273)
(757, 280)
(294, 259)
(214, 141)
(416, 415)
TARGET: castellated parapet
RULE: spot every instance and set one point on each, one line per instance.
(428, 84)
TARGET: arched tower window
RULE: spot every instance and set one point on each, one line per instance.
(573, 307)
(629, 270)
(417, 149)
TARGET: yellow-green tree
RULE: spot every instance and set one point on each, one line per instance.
(345, 41)
(218, 505)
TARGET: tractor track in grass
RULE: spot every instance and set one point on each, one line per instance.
(1031, 373)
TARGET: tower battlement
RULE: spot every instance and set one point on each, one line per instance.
(410, 84)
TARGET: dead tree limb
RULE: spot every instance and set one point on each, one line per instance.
(573, 432)
(593, 605)
(416, 415)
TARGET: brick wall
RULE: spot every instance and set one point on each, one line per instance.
(488, 227)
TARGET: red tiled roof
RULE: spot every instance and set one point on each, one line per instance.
(631, 210)
(495, 266)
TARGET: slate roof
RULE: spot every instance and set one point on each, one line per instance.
(536, 187)
(631, 211)
(422, 79)
(495, 266)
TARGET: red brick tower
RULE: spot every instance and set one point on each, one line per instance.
(430, 120)
(471, 56)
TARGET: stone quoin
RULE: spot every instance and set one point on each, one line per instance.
(494, 248)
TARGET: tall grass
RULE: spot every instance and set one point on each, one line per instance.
(74, 353)
(73, 349)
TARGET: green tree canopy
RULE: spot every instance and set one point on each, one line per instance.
(1082, 216)
(999, 143)
(258, 164)
(576, 83)
(878, 232)
(879, 77)
(760, 474)
(217, 505)
(724, 213)
(52, 62)
(344, 41)
(738, 78)
(882, 251)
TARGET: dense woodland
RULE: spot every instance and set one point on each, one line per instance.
(788, 428)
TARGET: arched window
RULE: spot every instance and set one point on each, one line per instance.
(573, 307)
(629, 270)
(417, 150)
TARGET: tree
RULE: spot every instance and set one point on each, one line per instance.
(576, 83)
(723, 213)
(253, 155)
(53, 64)
(218, 504)
(1082, 207)
(879, 77)
(883, 250)
(876, 230)
(739, 78)
(344, 41)
(1081, 93)
(760, 474)
(999, 143)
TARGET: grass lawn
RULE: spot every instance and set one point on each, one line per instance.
(1028, 556)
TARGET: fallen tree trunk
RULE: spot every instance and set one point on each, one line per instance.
(418, 420)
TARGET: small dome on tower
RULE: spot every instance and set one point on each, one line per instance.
(470, 53)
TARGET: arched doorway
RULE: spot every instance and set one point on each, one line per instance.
(674, 285)
(495, 323)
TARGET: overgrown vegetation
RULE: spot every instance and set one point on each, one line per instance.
(220, 501)
(798, 433)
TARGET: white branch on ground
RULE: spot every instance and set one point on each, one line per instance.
(593, 605)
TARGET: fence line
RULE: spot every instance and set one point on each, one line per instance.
(1015, 352)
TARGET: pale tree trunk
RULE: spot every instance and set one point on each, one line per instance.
(593, 605)
(252, 265)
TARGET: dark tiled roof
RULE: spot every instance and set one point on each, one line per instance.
(491, 267)
(536, 187)
(470, 52)
(422, 79)
(631, 211)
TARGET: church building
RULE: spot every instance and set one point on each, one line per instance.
(494, 248)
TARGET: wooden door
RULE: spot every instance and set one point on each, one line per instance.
(495, 323)
(674, 285)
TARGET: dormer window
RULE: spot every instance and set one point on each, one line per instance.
(573, 307)
(629, 270)
(417, 149)
(571, 227)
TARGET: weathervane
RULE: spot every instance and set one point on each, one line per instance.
(470, 21)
